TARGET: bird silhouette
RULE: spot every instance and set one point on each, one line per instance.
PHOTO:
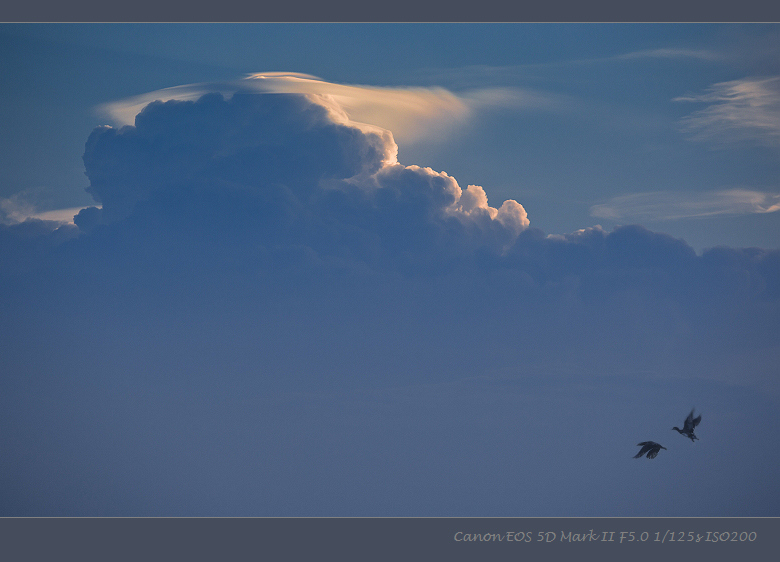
(650, 447)
(690, 423)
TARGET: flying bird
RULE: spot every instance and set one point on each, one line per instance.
(690, 423)
(650, 447)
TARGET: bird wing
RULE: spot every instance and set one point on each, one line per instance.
(689, 423)
(653, 453)
(696, 420)
(646, 447)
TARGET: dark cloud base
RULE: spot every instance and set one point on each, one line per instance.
(268, 316)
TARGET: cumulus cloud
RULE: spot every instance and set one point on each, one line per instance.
(673, 205)
(290, 176)
(411, 114)
(473, 202)
(250, 139)
(299, 164)
(746, 110)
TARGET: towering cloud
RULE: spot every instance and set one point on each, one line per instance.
(306, 172)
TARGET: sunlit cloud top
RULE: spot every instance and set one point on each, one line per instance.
(411, 114)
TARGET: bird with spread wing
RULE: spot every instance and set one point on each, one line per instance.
(651, 448)
(688, 426)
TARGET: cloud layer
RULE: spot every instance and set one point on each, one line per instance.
(737, 111)
(668, 205)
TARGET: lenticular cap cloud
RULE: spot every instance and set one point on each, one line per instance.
(412, 114)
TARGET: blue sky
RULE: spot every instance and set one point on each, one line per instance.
(383, 269)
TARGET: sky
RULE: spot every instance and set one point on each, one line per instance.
(389, 269)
